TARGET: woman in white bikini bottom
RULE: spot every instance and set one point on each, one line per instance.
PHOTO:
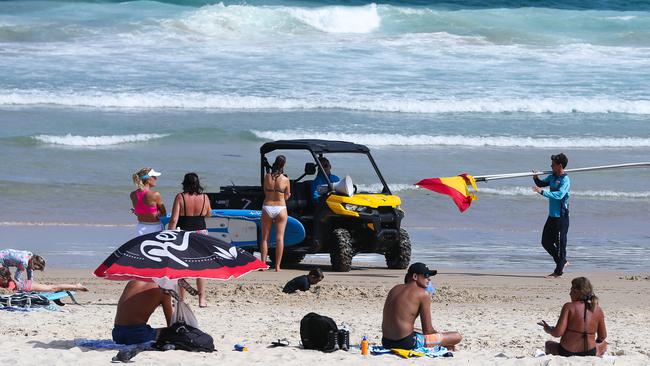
(148, 227)
(273, 211)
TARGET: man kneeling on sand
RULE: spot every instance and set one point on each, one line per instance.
(403, 305)
(138, 301)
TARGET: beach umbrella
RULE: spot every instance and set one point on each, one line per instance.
(462, 188)
(176, 254)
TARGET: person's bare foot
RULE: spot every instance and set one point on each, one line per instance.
(81, 287)
(553, 275)
(566, 264)
(278, 269)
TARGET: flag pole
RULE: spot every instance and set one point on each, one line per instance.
(485, 178)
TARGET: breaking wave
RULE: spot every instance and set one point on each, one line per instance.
(108, 140)
(459, 140)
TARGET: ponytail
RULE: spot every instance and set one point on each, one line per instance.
(136, 177)
(278, 166)
(591, 301)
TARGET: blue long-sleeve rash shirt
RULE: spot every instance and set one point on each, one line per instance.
(558, 195)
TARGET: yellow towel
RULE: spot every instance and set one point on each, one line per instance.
(407, 353)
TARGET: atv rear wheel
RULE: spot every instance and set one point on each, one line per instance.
(399, 256)
(342, 252)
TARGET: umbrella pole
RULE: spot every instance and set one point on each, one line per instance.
(485, 178)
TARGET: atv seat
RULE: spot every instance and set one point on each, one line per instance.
(300, 201)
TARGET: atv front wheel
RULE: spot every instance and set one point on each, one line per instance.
(342, 252)
(399, 256)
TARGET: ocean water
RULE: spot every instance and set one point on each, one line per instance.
(91, 91)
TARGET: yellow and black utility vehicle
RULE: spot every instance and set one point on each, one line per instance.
(338, 222)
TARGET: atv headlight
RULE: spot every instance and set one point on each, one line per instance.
(356, 208)
(350, 207)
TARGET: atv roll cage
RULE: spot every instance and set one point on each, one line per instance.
(317, 148)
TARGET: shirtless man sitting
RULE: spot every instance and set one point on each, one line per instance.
(403, 305)
(138, 301)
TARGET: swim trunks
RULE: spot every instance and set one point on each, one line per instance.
(415, 340)
(133, 334)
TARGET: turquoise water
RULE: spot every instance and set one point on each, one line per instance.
(92, 91)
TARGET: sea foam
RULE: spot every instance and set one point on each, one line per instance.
(81, 141)
(195, 100)
(597, 194)
(459, 140)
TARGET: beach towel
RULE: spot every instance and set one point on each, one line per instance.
(109, 344)
(34, 301)
(437, 351)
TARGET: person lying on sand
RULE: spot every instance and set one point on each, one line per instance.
(403, 305)
(579, 323)
(7, 282)
(303, 282)
(138, 301)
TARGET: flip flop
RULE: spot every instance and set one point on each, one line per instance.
(280, 343)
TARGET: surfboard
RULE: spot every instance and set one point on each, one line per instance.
(243, 228)
(57, 296)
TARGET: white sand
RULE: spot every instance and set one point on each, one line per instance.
(496, 312)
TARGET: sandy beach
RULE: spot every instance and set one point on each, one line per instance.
(495, 311)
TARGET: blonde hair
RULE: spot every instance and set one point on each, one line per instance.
(586, 291)
(136, 177)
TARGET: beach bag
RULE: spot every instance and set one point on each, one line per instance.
(319, 332)
(184, 337)
(24, 300)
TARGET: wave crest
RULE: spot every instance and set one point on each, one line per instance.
(193, 100)
(107, 140)
(458, 140)
(605, 194)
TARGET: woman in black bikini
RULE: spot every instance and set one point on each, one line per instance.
(579, 323)
(195, 206)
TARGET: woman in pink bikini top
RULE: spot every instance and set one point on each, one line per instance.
(147, 204)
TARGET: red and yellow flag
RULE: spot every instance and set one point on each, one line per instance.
(456, 187)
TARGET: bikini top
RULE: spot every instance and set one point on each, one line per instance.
(140, 207)
(584, 333)
(274, 189)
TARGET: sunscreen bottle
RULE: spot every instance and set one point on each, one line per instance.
(364, 346)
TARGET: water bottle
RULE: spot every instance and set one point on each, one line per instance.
(364, 346)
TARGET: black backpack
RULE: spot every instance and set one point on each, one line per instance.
(184, 337)
(318, 332)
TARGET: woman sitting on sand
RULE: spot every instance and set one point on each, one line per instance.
(274, 209)
(7, 282)
(147, 204)
(579, 323)
(195, 207)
